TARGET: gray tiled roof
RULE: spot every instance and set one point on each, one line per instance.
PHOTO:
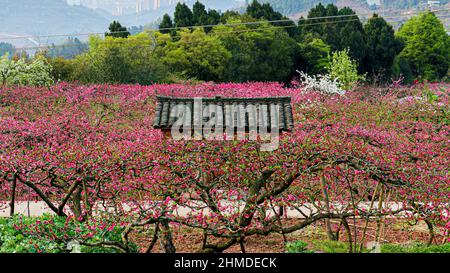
(273, 112)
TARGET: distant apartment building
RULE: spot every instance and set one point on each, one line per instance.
(433, 3)
(160, 3)
(93, 4)
(120, 7)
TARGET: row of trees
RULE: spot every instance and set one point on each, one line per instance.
(420, 49)
(231, 47)
(68, 49)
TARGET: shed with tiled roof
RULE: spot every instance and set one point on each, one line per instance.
(242, 113)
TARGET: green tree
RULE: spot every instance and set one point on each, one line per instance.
(266, 12)
(402, 68)
(314, 26)
(117, 30)
(345, 70)
(62, 68)
(263, 11)
(351, 34)
(427, 46)
(214, 17)
(228, 15)
(119, 60)
(145, 66)
(104, 63)
(199, 14)
(183, 16)
(382, 47)
(166, 24)
(115, 67)
(265, 55)
(314, 55)
(196, 55)
(201, 17)
(340, 33)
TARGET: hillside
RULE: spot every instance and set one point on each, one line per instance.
(150, 16)
(219, 4)
(291, 7)
(25, 17)
(406, 4)
(295, 7)
(48, 17)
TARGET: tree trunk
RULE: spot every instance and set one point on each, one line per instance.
(349, 235)
(380, 207)
(205, 239)
(76, 204)
(330, 233)
(431, 232)
(372, 202)
(13, 197)
(86, 200)
(167, 240)
(241, 244)
(154, 239)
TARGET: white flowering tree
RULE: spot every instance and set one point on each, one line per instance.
(20, 72)
(321, 83)
(6, 69)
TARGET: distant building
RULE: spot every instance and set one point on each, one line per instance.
(374, 2)
(121, 7)
(432, 4)
(156, 4)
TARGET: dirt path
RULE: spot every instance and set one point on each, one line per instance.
(38, 208)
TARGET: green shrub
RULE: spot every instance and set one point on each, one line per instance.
(402, 68)
(62, 68)
(118, 60)
(13, 240)
(345, 70)
(315, 55)
(51, 234)
(415, 248)
(447, 76)
(297, 247)
(429, 94)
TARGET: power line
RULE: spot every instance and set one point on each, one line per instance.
(211, 33)
(215, 25)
